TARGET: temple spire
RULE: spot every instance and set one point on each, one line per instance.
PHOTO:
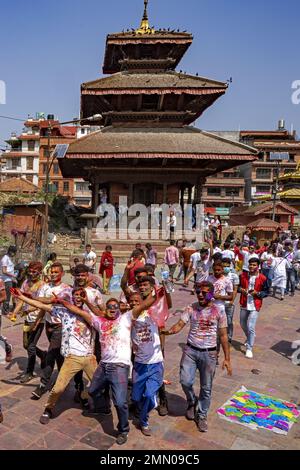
(145, 26)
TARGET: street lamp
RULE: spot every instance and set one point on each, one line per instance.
(44, 247)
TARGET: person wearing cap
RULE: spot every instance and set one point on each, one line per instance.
(7, 270)
(207, 321)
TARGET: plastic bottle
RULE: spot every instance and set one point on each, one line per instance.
(168, 285)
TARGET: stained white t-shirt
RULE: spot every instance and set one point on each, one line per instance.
(250, 298)
(7, 262)
(146, 340)
(115, 338)
(78, 338)
(63, 291)
(89, 259)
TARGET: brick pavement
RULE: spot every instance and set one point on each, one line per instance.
(278, 327)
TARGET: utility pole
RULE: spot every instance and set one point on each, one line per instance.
(44, 247)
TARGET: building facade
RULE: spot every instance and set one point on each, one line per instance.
(147, 149)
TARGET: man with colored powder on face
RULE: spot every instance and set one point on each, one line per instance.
(207, 321)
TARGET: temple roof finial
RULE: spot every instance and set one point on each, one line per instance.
(145, 27)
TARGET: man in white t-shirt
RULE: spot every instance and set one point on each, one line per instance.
(114, 331)
(53, 325)
(77, 345)
(90, 258)
(148, 367)
(7, 273)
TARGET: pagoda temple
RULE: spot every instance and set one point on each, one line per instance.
(290, 188)
(147, 149)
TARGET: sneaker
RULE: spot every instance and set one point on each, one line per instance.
(46, 416)
(281, 298)
(85, 403)
(249, 354)
(146, 431)
(26, 378)
(122, 439)
(9, 355)
(38, 392)
(163, 408)
(190, 413)
(202, 425)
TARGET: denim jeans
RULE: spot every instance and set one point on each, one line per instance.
(30, 340)
(291, 280)
(206, 363)
(229, 309)
(268, 272)
(147, 380)
(5, 305)
(248, 319)
(53, 354)
(116, 376)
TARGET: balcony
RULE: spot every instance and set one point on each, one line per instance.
(223, 182)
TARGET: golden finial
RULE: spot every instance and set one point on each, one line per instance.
(145, 27)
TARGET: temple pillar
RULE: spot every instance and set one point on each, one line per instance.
(198, 190)
(130, 195)
(190, 195)
(95, 196)
(165, 193)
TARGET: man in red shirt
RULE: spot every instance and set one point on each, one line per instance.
(253, 288)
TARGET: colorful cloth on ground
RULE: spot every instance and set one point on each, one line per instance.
(256, 410)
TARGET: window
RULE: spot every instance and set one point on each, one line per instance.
(150, 102)
(55, 169)
(263, 173)
(31, 145)
(54, 186)
(232, 192)
(263, 189)
(15, 163)
(214, 191)
(66, 186)
(44, 168)
(235, 174)
(46, 152)
(292, 158)
(82, 187)
(29, 163)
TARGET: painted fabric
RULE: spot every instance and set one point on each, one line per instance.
(256, 410)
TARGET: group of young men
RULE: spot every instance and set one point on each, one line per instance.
(119, 345)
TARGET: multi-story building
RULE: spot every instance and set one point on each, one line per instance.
(21, 159)
(279, 152)
(249, 182)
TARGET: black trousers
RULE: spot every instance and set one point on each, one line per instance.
(30, 340)
(53, 333)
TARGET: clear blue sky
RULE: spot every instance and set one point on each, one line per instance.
(49, 48)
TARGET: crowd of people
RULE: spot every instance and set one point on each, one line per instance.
(120, 344)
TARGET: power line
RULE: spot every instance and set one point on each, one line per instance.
(13, 119)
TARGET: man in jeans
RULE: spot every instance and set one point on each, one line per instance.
(172, 258)
(230, 273)
(207, 321)
(53, 326)
(253, 288)
(114, 331)
(31, 331)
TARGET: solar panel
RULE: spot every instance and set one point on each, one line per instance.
(60, 150)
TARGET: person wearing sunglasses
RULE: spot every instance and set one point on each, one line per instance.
(77, 343)
(114, 331)
(207, 321)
